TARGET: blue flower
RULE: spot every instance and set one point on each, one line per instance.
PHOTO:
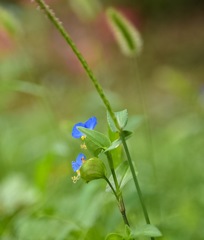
(79, 161)
(90, 124)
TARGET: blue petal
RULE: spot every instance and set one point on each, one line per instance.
(77, 164)
(91, 123)
(75, 132)
(80, 157)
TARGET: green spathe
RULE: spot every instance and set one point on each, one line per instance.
(93, 169)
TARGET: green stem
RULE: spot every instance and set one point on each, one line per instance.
(121, 204)
(110, 162)
(50, 14)
(112, 188)
(136, 182)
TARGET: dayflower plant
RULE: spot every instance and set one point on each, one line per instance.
(76, 165)
(90, 124)
(94, 168)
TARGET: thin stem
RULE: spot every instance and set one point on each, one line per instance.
(112, 188)
(50, 14)
(121, 204)
(110, 162)
(136, 182)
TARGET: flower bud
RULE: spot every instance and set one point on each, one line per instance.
(93, 169)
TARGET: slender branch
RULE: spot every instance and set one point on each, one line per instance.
(112, 188)
(110, 162)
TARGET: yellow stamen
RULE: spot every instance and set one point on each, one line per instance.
(83, 138)
(75, 178)
(83, 146)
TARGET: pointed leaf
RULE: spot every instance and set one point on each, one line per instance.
(114, 236)
(123, 174)
(117, 142)
(127, 230)
(92, 147)
(111, 123)
(96, 137)
(146, 230)
(114, 145)
(122, 118)
(116, 150)
(127, 134)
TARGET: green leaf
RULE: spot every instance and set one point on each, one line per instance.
(99, 139)
(114, 236)
(146, 230)
(92, 147)
(117, 142)
(116, 150)
(127, 134)
(127, 36)
(114, 145)
(123, 174)
(122, 118)
(111, 123)
(127, 230)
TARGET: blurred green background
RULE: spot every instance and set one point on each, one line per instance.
(44, 92)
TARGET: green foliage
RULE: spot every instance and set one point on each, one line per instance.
(122, 119)
(115, 144)
(114, 236)
(146, 230)
(129, 234)
(38, 101)
(123, 174)
(96, 137)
